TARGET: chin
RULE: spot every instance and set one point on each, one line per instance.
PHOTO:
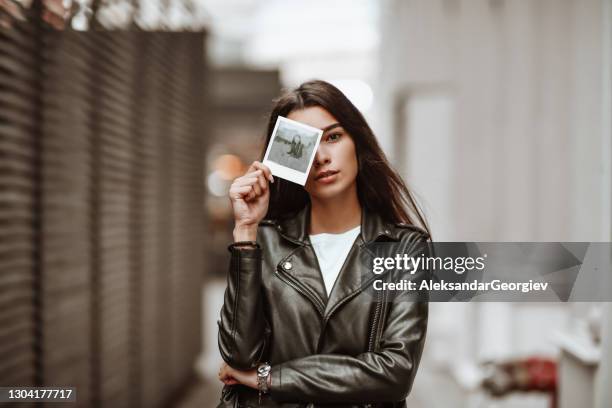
(327, 192)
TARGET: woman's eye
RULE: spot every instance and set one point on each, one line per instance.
(333, 137)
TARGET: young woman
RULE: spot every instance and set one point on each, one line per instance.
(296, 327)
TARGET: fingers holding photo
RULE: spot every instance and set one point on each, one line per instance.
(239, 192)
(249, 186)
(256, 165)
(249, 196)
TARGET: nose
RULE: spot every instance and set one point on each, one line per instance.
(321, 157)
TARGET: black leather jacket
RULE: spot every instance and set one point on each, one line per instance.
(276, 309)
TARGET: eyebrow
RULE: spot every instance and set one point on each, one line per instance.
(330, 127)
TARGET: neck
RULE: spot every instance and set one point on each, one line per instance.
(335, 215)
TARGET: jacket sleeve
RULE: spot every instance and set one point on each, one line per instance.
(243, 330)
(382, 376)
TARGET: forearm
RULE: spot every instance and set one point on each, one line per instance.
(329, 378)
(242, 327)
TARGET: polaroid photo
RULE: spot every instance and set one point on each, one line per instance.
(292, 149)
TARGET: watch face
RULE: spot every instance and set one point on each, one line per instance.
(263, 369)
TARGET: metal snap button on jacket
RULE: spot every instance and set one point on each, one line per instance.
(287, 265)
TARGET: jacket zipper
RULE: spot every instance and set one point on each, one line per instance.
(373, 332)
(375, 324)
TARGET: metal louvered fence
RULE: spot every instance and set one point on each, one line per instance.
(101, 139)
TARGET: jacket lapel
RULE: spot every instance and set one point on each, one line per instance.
(302, 265)
(355, 271)
(350, 278)
(302, 262)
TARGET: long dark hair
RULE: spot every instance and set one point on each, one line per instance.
(380, 189)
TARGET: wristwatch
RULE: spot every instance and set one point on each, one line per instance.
(263, 372)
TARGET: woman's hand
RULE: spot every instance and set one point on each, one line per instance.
(231, 376)
(250, 195)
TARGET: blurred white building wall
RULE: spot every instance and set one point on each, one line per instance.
(517, 152)
(497, 113)
(603, 395)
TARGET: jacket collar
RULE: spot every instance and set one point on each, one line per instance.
(372, 227)
(305, 270)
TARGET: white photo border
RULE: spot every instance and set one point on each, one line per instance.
(286, 172)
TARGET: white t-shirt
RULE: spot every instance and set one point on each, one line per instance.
(331, 251)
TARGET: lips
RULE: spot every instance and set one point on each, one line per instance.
(325, 173)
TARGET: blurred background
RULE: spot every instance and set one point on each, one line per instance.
(122, 124)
